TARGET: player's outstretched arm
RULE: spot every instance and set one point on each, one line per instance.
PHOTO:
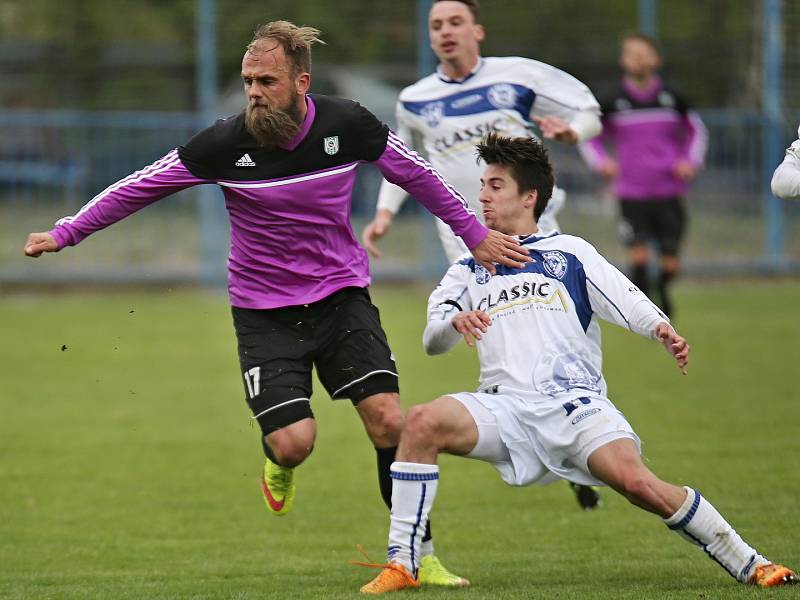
(376, 229)
(38, 243)
(472, 325)
(677, 346)
(500, 248)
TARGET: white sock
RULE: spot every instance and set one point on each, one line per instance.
(699, 522)
(413, 491)
(426, 549)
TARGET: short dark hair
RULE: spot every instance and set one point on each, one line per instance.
(473, 6)
(641, 37)
(528, 161)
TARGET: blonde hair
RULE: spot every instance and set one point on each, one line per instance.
(296, 42)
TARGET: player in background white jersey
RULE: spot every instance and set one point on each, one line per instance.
(786, 179)
(542, 409)
(446, 113)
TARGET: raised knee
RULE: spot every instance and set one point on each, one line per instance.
(421, 423)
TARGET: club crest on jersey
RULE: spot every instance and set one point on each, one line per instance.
(555, 263)
(331, 144)
(433, 112)
(502, 95)
(564, 366)
(481, 274)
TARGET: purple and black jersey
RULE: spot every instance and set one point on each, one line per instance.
(289, 207)
(650, 131)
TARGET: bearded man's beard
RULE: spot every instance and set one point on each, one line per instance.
(271, 126)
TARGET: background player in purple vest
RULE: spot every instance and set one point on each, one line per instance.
(658, 143)
(297, 277)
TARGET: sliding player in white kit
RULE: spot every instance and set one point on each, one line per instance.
(542, 411)
(446, 113)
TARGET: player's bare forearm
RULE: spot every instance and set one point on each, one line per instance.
(40, 242)
(676, 345)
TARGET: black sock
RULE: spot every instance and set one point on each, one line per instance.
(663, 292)
(385, 460)
(639, 277)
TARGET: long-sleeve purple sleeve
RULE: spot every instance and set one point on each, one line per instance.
(404, 167)
(696, 142)
(165, 176)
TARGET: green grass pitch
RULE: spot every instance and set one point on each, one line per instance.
(129, 465)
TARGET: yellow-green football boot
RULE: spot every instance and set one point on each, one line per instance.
(278, 487)
(433, 572)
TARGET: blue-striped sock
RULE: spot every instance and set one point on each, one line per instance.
(699, 522)
(413, 491)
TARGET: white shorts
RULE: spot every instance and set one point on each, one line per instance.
(538, 442)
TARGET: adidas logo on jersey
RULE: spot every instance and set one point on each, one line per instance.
(245, 161)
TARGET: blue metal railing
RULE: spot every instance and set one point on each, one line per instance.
(53, 162)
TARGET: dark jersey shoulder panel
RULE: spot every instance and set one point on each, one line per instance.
(372, 133)
(201, 154)
(343, 132)
(666, 98)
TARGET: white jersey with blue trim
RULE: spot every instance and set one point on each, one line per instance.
(544, 338)
(446, 118)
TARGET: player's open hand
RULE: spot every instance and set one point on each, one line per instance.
(375, 230)
(38, 243)
(472, 325)
(554, 128)
(500, 248)
(675, 345)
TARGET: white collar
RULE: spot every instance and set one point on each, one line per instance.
(446, 79)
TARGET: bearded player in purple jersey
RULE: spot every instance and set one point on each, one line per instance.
(297, 277)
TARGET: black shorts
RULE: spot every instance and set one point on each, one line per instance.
(341, 335)
(662, 220)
